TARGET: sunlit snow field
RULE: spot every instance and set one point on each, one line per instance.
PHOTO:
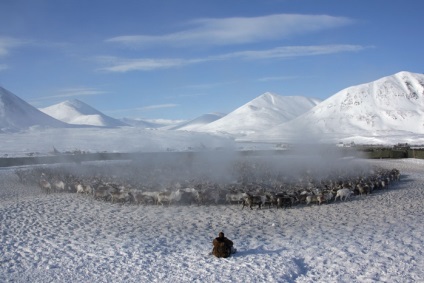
(74, 238)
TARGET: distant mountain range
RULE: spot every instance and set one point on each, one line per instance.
(392, 105)
(140, 123)
(198, 122)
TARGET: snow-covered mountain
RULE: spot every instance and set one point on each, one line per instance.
(16, 114)
(390, 105)
(77, 112)
(261, 113)
(198, 122)
(151, 124)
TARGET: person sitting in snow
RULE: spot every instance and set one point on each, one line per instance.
(222, 246)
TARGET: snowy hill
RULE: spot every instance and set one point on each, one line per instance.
(198, 122)
(17, 115)
(164, 124)
(77, 112)
(261, 113)
(144, 124)
(389, 106)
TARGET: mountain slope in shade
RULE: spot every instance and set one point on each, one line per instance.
(198, 122)
(261, 113)
(392, 104)
(77, 112)
(16, 114)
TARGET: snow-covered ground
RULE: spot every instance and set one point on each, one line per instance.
(73, 238)
(124, 140)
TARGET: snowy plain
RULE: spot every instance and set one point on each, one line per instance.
(65, 237)
(43, 141)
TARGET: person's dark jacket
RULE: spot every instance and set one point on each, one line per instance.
(222, 246)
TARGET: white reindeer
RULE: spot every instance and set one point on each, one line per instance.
(315, 198)
(235, 197)
(343, 194)
(45, 186)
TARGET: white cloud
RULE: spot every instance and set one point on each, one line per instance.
(159, 106)
(74, 92)
(143, 64)
(7, 43)
(82, 91)
(292, 51)
(116, 64)
(237, 30)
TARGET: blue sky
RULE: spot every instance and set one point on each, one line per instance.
(179, 59)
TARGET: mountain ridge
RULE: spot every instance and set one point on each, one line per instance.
(198, 122)
(392, 103)
(17, 114)
(264, 111)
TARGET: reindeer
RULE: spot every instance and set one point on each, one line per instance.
(45, 186)
(250, 200)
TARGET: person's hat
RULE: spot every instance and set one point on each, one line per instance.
(221, 234)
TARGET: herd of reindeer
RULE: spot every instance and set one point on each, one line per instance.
(251, 185)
